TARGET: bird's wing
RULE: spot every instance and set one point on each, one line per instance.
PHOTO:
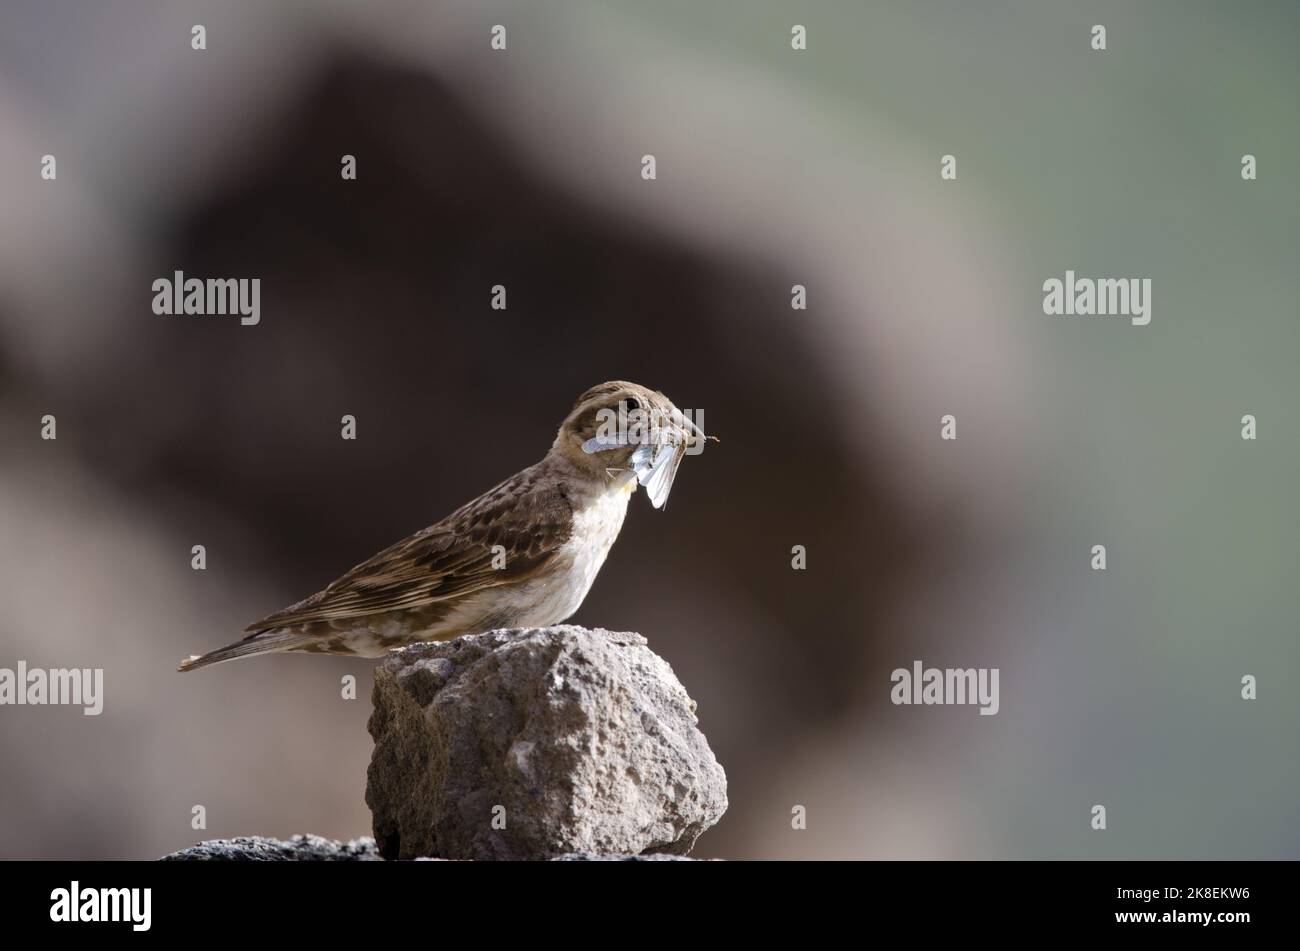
(456, 557)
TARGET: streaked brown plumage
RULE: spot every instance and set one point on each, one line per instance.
(553, 522)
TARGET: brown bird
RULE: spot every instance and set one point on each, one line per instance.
(522, 554)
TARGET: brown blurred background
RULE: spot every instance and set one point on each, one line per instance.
(522, 168)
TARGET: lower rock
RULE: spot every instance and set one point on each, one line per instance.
(256, 848)
(537, 743)
(312, 848)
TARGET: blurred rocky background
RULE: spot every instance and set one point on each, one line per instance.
(522, 168)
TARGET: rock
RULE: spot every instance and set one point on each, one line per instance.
(312, 848)
(621, 857)
(536, 743)
(256, 848)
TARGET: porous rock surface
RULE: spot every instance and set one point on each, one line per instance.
(256, 848)
(313, 848)
(537, 743)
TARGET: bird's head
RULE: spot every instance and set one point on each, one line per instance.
(630, 435)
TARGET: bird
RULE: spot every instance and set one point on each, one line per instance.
(523, 554)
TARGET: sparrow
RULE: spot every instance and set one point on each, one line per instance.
(522, 554)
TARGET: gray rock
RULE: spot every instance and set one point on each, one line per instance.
(622, 857)
(256, 848)
(536, 743)
(312, 848)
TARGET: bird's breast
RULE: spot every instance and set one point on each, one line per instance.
(595, 526)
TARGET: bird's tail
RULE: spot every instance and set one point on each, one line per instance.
(263, 642)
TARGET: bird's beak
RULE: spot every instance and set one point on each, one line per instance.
(695, 437)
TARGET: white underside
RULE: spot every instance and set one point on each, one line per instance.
(555, 594)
